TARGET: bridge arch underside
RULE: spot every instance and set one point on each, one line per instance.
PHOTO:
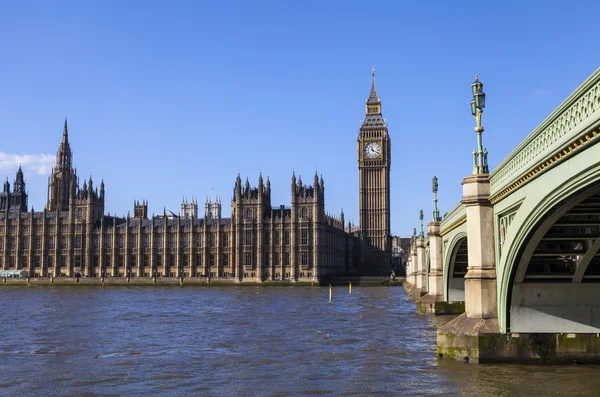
(556, 286)
(457, 268)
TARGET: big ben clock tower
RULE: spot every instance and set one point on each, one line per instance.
(374, 161)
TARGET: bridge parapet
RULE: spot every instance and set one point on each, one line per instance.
(564, 127)
(456, 217)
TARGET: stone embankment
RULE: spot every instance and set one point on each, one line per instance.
(185, 282)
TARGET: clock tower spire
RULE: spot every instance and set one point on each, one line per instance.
(374, 162)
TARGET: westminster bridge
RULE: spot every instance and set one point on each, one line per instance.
(518, 258)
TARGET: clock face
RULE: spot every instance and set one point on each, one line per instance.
(372, 150)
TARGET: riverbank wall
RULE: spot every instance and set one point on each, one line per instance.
(187, 282)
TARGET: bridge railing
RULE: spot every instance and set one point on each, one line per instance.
(576, 114)
(454, 218)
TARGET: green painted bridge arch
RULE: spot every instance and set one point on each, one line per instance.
(545, 197)
(544, 283)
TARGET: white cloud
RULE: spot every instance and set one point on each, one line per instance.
(39, 164)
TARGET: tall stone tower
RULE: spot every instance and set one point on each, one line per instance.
(374, 161)
(62, 177)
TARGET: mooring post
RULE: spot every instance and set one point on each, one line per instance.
(350, 287)
(330, 292)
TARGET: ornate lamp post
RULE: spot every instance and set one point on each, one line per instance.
(434, 188)
(480, 165)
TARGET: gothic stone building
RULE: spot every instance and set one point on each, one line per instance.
(73, 235)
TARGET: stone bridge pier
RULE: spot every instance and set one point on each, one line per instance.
(435, 301)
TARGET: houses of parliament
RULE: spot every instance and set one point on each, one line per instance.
(73, 236)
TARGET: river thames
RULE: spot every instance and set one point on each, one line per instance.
(244, 341)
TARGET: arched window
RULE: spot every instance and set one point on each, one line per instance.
(305, 212)
(249, 213)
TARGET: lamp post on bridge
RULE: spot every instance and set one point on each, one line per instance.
(480, 164)
(474, 333)
(433, 302)
(434, 188)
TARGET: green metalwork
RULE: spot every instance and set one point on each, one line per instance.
(544, 193)
(577, 113)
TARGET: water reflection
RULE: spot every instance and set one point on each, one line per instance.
(244, 342)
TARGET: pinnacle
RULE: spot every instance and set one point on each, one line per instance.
(373, 96)
(65, 132)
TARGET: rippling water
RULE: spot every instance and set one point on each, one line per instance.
(246, 341)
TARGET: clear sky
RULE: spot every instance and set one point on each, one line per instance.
(170, 99)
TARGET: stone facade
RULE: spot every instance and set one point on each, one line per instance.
(73, 236)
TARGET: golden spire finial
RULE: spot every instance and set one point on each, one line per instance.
(373, 71)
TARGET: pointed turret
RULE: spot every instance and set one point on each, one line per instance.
(373, 98)
(65, 137)
(59, 182)
(293, 186)
(64, 155)
(373, 118)
(20, 174)
(237, 190)
(260, 186)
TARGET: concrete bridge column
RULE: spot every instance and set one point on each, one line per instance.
(416, 288)
(409, 280)
(480, 280)
(463, 336)
(421, 266)
(433, 302)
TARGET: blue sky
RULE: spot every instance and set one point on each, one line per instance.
(172, 99)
